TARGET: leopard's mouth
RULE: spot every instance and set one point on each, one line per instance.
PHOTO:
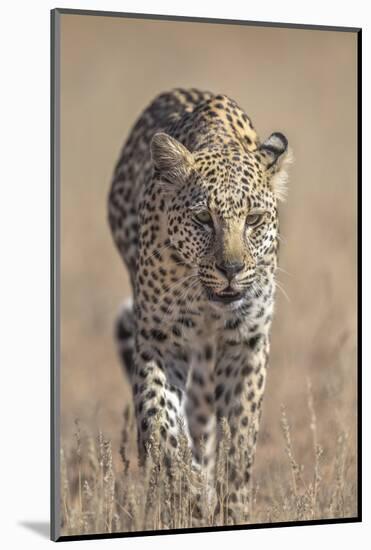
(226, 296)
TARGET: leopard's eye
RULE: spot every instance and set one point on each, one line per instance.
(204, 218)
(253, 220)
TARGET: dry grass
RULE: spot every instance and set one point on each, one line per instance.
(98, 497)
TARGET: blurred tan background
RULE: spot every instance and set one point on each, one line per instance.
(300, 82)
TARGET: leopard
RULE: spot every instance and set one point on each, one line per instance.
(193, 212)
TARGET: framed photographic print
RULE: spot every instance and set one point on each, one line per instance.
(205, 296)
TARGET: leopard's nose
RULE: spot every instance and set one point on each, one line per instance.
(230, 269)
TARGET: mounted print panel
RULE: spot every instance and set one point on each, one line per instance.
(204, 281)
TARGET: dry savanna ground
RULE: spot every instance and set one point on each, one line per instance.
(302, 83)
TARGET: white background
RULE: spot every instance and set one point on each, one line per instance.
(25, 267)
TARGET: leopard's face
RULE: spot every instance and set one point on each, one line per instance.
(222, 218)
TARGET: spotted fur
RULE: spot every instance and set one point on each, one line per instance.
(193, 213)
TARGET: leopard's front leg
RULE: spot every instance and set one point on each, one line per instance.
(159, 390)
(158, 400)
(200, 405)
(240, 382)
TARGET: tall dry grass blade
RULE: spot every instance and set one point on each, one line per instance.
(318, 450)
(295, 470)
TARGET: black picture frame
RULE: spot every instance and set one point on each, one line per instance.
(55, 267)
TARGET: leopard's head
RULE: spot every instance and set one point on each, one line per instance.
(221, 208)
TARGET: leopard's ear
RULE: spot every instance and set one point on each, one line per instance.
(273, 149)
(276, 156)
(171, 159)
